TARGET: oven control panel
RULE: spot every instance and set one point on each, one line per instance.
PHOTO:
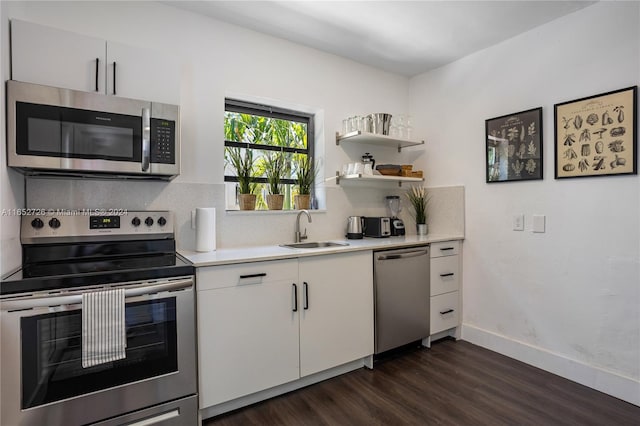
(95, 224)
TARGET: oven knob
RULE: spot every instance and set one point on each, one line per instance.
(37, 223)
(162, 221)
(148, 221)
(54, 223)
(135, 221)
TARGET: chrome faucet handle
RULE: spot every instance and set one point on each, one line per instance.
(298, 235)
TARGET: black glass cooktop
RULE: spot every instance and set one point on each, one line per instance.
(53, 268)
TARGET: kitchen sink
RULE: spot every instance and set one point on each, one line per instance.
(314, 244)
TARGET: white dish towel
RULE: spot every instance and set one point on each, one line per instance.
(104, 332)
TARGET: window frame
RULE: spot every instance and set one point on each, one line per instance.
(253, 108)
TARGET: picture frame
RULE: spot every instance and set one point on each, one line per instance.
(597, 135)
(514, 147)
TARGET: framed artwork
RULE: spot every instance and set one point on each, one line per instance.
(597, 136)
(514, 146)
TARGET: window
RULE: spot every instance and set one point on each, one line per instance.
(269, 133)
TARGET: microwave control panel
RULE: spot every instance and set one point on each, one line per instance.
(163, 141)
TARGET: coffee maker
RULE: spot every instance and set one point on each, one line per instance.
(393, 204)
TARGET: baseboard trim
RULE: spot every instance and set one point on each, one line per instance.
(624, 388)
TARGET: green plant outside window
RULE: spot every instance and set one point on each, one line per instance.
(275, 140)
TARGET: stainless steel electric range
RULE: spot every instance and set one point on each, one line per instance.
(68, 255)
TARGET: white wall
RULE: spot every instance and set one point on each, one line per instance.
(11, 183)
(567, 300)
(219, 60)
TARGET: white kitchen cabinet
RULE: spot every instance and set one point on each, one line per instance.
(254, 334)
(143, 74)
(247, 328)
(336, 324)
(445, 275)
(445, 286)
(54, 57)
(445, 312)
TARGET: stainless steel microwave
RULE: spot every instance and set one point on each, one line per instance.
(54, 131)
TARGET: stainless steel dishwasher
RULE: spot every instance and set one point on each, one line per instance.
(402, 296)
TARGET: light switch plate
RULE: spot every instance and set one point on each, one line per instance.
(518, 222)
(538, 223)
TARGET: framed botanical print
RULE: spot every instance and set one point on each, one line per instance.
(514, 146)
(597, 135)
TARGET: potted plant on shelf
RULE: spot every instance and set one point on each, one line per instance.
(306, 171)
(244, 166)
(275, 168)
(418, 199)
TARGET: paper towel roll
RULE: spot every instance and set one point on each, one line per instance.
(205, 229)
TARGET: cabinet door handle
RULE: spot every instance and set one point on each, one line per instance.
(114, 77)
(448, 311)
(295, 297)
(262, 274)
(446, 248)
(448, 274)
(306, 295)
(97, 72)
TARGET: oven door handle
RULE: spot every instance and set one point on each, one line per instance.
(74, 298)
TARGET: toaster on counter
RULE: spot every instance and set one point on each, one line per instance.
(377, 227)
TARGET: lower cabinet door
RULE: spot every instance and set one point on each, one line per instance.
(247, 339)
(445, 311)
(336, 317)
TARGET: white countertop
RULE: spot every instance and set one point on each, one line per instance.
(274, 252)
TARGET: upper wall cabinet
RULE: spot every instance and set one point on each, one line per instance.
(53, 57)
(146, 74)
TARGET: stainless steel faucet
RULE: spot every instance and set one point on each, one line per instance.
(299, 237)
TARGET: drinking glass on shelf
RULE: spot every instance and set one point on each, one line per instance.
(409, 129)
(353, 123)
(365, 123)
(393, 127)
(401, 127)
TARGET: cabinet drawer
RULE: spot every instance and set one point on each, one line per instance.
(445, 275)
(445, 312)
(445, 248)
(213, 277)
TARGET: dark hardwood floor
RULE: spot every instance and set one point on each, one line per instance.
(453, 383)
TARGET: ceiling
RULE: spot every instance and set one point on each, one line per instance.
(403, 37)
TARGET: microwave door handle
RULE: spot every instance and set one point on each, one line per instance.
(146, 139)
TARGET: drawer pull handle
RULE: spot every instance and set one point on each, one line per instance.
(448, 311)
(446, 248)
(448, 274)
(263, 274)
(295, 297)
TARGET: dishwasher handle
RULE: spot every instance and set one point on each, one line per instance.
(404, 255)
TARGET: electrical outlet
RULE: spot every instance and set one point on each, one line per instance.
(518, 222)
(538, 223)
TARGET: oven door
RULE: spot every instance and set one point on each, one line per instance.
(41, 356)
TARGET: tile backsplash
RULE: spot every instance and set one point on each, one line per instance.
(240, 229)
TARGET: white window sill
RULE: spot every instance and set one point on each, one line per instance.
(270, 212)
